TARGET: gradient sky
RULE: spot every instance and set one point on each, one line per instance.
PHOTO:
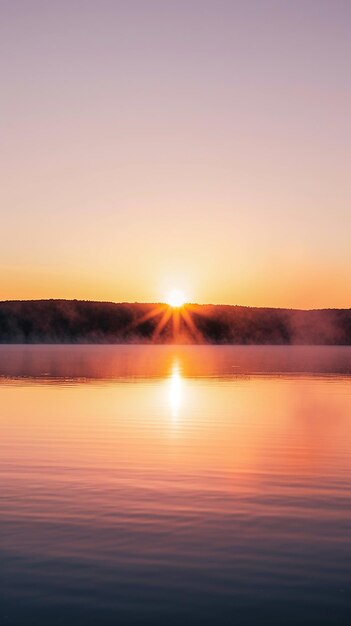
(194, 144)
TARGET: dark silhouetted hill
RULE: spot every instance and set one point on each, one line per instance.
(73, 321)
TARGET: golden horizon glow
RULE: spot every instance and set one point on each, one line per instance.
(210, 183)
(176, 299)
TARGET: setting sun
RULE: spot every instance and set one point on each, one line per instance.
(176, 298)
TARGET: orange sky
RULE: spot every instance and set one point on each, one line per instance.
(160, 146)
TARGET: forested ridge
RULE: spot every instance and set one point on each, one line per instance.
(74, 321)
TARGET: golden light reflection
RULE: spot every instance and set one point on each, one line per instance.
(175, 390)
(176, 422)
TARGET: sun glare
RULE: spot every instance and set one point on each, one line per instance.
(176, 298)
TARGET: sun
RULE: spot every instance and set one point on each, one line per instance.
(176, 299)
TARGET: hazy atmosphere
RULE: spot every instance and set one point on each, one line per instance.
(151, 144)
(175, 313)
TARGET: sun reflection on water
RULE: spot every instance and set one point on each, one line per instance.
(175, 390)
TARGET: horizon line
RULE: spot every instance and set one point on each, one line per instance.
(136, 302)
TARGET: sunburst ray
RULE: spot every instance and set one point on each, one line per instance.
(191, 325)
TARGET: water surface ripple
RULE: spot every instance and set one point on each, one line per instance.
(175, 485)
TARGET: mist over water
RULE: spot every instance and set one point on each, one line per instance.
(175, 484)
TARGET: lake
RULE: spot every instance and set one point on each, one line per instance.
(175, 485)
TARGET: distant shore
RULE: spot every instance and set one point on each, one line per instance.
(75, 321)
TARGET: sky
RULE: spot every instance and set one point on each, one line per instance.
(201, 145)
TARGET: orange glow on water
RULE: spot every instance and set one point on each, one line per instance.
(135, 457)
(231, 425)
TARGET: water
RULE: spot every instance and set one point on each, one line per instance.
(175, 485)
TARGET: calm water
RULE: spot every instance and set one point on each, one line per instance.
(175, 485)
